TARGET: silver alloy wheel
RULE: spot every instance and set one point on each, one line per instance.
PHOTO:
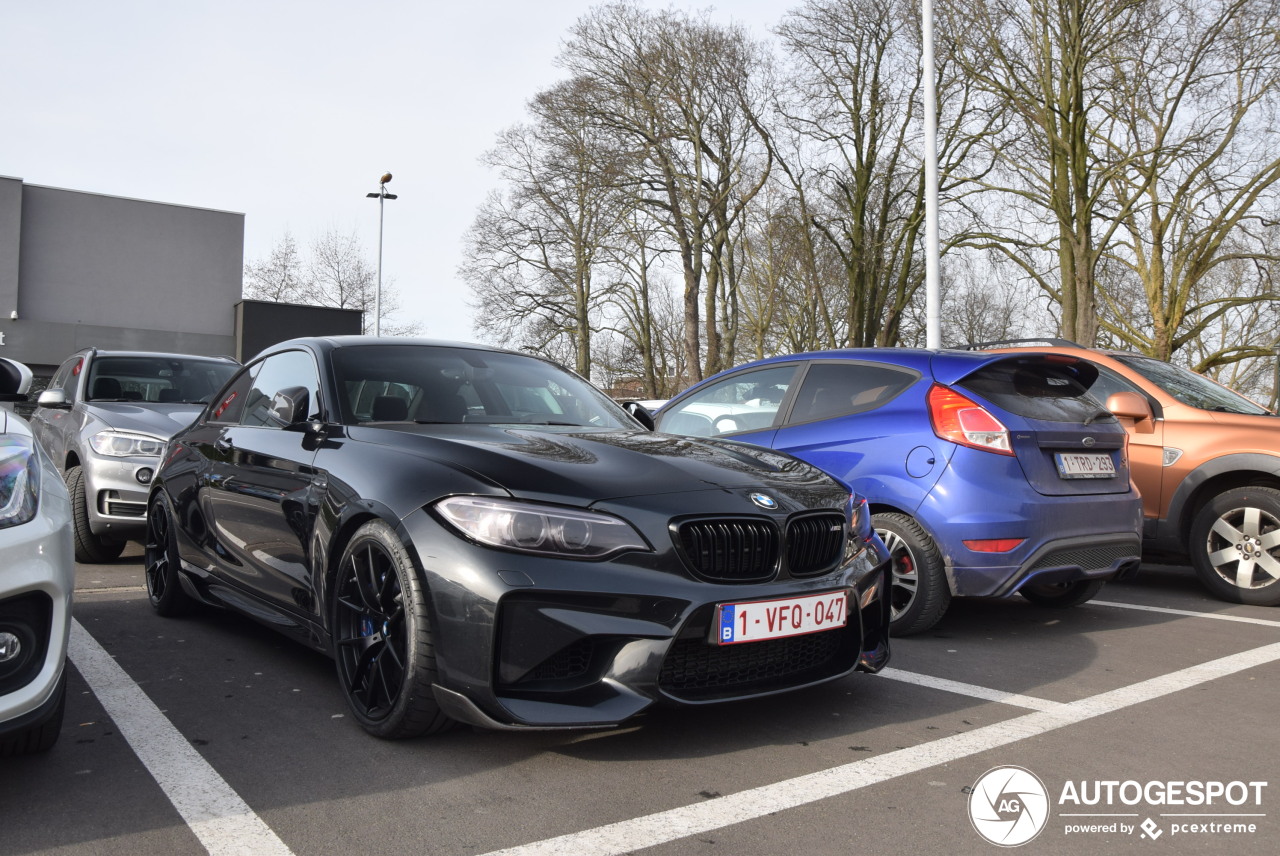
(1243, 546)
(906, 582)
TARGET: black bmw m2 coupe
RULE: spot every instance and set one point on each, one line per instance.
(481, 536)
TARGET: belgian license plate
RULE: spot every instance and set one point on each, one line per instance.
(776, 619)
(1085, 465)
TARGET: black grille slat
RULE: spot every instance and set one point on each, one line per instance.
(815, 544)
(120, 508)
(1087, 558)
(573, 661)
(730, 550)
(694, 669)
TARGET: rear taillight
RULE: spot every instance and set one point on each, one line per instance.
(962, 421)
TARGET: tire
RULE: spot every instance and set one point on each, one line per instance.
(919, 593)
(1061, 595)
(90, 549)
(382, 637)
(160, 562)
(41, 736)
(1235, 545)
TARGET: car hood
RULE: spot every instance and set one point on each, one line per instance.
(158, 420)
(570, 465)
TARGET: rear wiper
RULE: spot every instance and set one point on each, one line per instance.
(1097, 415)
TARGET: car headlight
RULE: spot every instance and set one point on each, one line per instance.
(118, 444)
(544, 529)
(19, 481)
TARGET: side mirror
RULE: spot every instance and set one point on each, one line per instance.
(641, 415)
(15, 380)
(52, 398)
(289, 406)
(1132, 407)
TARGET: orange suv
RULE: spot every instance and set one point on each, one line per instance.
(1206, 461)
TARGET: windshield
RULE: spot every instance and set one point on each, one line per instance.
(1191, 388)
(157, 379)
(429, 384)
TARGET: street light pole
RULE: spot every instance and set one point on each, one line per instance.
(381, 196)
(932, 283)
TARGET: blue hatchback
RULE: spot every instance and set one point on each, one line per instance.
(987, 474)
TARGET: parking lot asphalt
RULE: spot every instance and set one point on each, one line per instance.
(1144, 719)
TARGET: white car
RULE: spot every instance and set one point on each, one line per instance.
(37, 578)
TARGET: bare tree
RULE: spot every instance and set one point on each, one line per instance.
(677, 91)
(535, 247)
(1053, 65)
(854, 152)
(335, 271)
(278, 277)
(1200, 185)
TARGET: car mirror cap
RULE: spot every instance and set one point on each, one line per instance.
(52, 398)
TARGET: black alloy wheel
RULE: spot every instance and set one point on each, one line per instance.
(90, 549)
(918, 593)
(1061, 595)
(160, 562)
(1235, 545)
(382, 637)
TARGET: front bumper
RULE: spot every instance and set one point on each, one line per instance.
(37, 578)
(116, 500)
(533, 642)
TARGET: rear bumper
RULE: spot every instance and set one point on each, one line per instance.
(1062, 537)
(1074, 559)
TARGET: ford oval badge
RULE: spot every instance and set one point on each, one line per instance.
(764, 501)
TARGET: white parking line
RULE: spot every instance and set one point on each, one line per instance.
(222, 821)
(628, 835)
(1265, 622)
(972, 690)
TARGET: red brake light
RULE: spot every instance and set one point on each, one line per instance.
(965, 422)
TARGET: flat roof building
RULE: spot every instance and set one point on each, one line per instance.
(81, 270)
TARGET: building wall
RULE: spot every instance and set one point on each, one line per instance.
(82, 269)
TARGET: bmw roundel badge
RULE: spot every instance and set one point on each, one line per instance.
(764, 501)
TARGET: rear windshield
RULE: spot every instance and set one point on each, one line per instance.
(1191, 388)
(1038, 388)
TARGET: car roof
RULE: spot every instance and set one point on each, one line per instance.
(945, 365)
(111, 352)
(329, 343)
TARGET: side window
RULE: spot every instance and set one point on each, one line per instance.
(67, 376)
(289, 375)
(1109, 383)
(744, 402)
(839, 389)
(230, 403)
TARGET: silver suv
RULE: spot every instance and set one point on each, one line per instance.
(104, 420)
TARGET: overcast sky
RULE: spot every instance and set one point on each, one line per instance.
(288, 111)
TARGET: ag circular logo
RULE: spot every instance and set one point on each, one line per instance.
(1009, 806)
(764, 501)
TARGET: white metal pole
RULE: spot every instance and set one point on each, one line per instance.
(932, 296)
(377, 293)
